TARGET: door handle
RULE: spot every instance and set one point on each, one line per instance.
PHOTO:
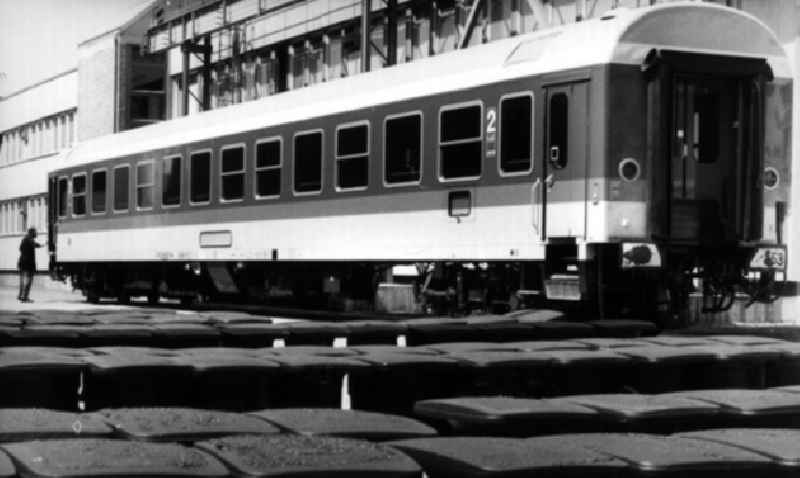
(555, 154)
(549, 181)
(536, 204)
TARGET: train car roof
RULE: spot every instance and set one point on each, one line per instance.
(620, 36)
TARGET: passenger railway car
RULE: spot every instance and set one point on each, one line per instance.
(612, 162)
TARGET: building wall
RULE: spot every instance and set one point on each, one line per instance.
(58, 93)
(13, 226)
(23, 204)
(97, 86)
(38, 120)
(36, 125)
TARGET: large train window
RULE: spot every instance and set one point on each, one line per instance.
(232, 173)
(558, 130)
(121, 185)
(460, 141)
(145, 182)
(171, 181)
(516, 134)
(200, 177)
(63, 185)
(308, 162)
(99, 191)
(352, 156)
(79, 194)
(268, 167)
(402, 147)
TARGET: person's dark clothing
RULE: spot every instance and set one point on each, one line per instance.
(25, 282)
(27, 254)
(27, 266)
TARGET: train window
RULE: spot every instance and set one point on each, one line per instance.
(352, 156)
(308, 162)
(62, 197)
(558, 130)
(200, 177)
(145, 182)
(171, 181)
(79, 194)
(403, 136)
(99, 191)
(232, 173)
(121, 184)
(268, 168)
(516, 134)
(706, 125)
(460, 141)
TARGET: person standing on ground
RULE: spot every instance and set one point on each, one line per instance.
(27, 264)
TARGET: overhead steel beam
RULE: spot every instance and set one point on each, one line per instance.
(391, 33)
(366, 7)
(471, 20)
(207, 72)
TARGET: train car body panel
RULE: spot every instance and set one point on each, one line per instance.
(646, 126)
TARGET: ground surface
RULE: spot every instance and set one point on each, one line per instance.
(48, 295)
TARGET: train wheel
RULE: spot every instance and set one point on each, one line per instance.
(192, 300)
(92, 296)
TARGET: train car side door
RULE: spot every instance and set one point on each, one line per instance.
(566, 136)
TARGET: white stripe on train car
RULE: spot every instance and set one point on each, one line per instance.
(491, 233)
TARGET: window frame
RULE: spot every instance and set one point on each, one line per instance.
(563, 151)
(105, 206)
(190, 164)
(518, 94)
(152, 185)
(66, 197)
(439, 144)
(243, 172)
(256, 169)
(321, 162)
(180, 181)
(85, 193)
(128, 190)
(336, 156)
(388, 118)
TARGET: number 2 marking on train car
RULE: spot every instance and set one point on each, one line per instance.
(491, 119)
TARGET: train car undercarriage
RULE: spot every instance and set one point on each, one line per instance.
(609, 283)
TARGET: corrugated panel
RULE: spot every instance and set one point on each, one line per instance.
(176, 33)
(341, 10)
(160, 40)
(221, 45)
(271, 4)
(241, 9)
(208, 21)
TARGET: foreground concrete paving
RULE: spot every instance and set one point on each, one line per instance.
(49, 295)
(46, 298)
